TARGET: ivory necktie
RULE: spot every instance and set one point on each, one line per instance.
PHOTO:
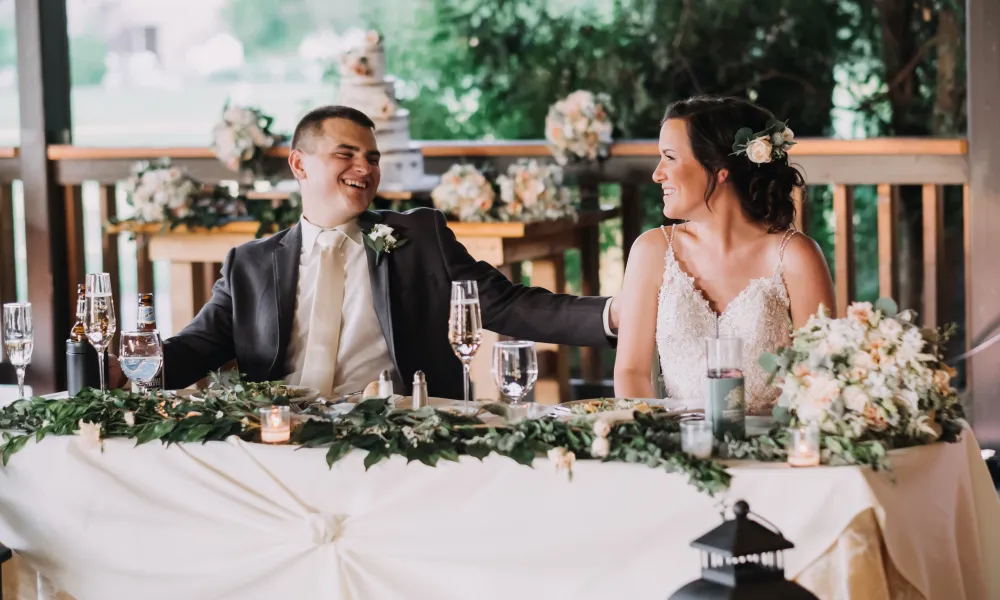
(323, 337)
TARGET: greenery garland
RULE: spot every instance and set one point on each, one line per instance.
(427, 435)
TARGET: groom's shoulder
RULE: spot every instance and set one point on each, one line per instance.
(259, 247)
(421, 215)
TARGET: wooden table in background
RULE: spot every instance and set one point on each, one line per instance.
(195, 258)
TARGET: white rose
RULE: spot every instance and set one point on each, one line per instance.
(129, 418)
(562, 458)
(788, 134)
(855, 398)
(601, 428)
(90, 434)
(759, 150)
(600, 447)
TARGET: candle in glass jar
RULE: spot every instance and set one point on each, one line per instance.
(697, 439)
(275, 424)
(803, 447)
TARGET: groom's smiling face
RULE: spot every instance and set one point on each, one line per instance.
(338, 171)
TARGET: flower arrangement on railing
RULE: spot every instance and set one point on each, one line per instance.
(464, 194)
(532, 191)
(242, 137)
(162, 193)
(870, 382)
(578, 127)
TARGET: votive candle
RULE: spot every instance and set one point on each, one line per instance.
(803, 446)
(696, 438)
(275, 424)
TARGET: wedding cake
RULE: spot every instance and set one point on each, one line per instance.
(365, 86)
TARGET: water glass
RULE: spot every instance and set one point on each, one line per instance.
(100, 324)
(465, 326)
(18, 338)
(697, 438)
(515, 370)
(141, 357)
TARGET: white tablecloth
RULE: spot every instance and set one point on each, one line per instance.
(237, 520)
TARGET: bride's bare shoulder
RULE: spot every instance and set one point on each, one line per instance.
(648, 250)
(803, 255)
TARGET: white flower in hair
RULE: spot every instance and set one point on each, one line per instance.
(759, 150)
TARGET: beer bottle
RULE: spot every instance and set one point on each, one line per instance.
(79, 333)
(146, 321)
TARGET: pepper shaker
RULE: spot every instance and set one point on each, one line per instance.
(419, 390)
(384, 384)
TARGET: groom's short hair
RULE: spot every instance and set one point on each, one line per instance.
(311, 124)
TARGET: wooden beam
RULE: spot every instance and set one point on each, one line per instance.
(843, 208)
(75, 253)
(589, 240)
(888, 241)
(43, 84)
(144, 265)
(933, 245)
(983, 218)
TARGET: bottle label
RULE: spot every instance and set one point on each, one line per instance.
(146, 316)
(725, 406)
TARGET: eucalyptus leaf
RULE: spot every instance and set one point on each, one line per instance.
(887, 306)
(768, 362)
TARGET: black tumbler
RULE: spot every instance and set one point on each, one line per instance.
(81, 367)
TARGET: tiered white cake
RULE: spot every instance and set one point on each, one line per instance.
(365, 86)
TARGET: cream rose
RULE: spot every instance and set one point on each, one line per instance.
(788, 135)
(600, 447)
(601, 428)
(90, 433)
(855, 398)
(129, 418)
(759, 150)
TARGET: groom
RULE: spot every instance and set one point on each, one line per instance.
(314, 305)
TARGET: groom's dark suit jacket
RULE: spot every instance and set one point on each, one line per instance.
(249, 316)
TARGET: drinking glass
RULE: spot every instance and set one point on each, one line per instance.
(515, 370)
(141, 357)
(18, 338)
(100, 324)
(465, 326)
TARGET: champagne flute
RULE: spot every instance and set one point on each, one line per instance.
(515, 370)
(18, 337)
(100, 324)
(465, 326)
(141, 357)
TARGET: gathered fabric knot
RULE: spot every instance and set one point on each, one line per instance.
(325, 527)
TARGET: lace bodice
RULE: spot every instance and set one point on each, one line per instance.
(760, 315)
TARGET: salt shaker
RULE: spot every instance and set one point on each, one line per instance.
(384, 384)
(419, 390)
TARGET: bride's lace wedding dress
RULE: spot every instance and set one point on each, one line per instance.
(760, 315)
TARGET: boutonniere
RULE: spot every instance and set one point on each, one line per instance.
(380, 238)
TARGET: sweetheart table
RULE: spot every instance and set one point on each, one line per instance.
(241, 520)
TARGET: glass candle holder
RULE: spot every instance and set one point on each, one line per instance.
(697, 438)
(275, 424)
(803, 446)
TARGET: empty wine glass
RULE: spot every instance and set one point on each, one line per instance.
(100, 324)
(18, 338)
(465, 326)
(515, 370)
(141, 357)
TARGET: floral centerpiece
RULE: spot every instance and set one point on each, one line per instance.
(240, 139)
(577, 127)
(532, 191)
(464, 193)
(158, 191)
(870, 381)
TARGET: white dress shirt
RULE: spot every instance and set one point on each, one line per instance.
(362, 352)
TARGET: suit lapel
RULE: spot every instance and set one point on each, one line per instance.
(286, 276)
(379, 277)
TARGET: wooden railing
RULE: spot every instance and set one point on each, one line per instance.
(843, 164)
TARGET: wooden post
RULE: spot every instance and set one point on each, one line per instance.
(933, 227)
(888, 241)
(631, 217)
(75, 255)
(843, 208)
(590, 264)
(43, 83)
(108, 204)
(550, 273)
(983, 281)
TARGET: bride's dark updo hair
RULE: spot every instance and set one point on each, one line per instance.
(765, 189)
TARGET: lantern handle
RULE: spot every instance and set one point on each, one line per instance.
(742, 511)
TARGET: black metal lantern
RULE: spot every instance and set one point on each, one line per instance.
(742, 559)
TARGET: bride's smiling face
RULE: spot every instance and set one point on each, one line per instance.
(680, 175)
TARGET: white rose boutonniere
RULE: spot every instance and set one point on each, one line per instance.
(380, 238)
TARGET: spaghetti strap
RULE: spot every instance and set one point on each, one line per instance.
(781, 252)
(669, 236)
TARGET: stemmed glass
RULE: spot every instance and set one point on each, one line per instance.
(100, 323)
(141, 357)
(19, 338)
(465, 326)
(515, 370)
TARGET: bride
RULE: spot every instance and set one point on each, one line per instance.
(735, 267)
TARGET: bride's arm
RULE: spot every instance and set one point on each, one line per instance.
(807, 279)
(636, 305)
